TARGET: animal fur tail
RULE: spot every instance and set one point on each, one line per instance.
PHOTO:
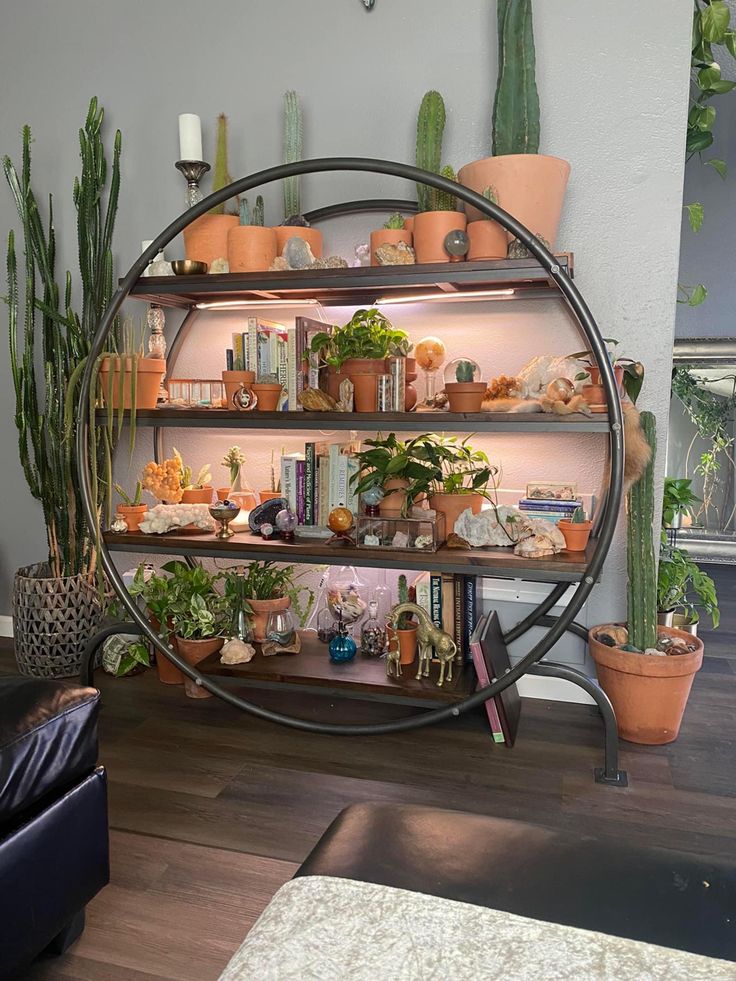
(637, 451)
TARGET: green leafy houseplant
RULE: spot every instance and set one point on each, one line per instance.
(633, 371)
(678, 499)
(267, 580)
(188, 601)
(678, 577)
(390, 459)
(452, 466)
(367, 335)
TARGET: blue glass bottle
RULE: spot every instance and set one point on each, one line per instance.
(342, 647)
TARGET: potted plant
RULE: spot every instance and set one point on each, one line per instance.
(154, 591)
(646, 670)
(677, 501)
(392, 233)
(388, 464)
(530, 186)
(576, 530)
(250, 246)
(238, 489)
(194, 490)
(128, 379)
(295, 224)
(488, 239)
(206, 238)
(274, 491)
(268, 391)
(268, 588)
(56, 606)
(131, 510)
(629, 375)
(406, 627)
(678, 578)
(437, 214)
(465, 394)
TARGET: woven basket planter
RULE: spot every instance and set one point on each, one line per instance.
(52, 621)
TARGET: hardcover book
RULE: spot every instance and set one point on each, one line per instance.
(481, 669)
(496, 659)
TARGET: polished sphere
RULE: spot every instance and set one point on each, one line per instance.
(456, 242)
(340, 520)
(286, 521)
(373, 496)
(560, 390)
(430, 353)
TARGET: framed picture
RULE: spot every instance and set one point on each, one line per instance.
(540, 491)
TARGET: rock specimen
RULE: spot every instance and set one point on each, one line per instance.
(164, 517)
(265, 514)
(315, 400)
(298, 255)
(400, 254)
(536, 547)
(487, 529)
(237, 652)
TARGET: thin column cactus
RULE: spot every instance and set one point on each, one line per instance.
(642, 569)
(516, 106)
(45, 420)
(430, 131)
(254, 216)
(221, 177)
(293, 149)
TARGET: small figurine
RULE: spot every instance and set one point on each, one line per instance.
(393, 657)
(429, 637)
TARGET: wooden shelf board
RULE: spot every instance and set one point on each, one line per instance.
(496, 562)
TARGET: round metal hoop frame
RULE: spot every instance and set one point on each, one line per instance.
(588, 328)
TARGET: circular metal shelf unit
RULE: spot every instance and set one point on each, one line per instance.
(589, 330)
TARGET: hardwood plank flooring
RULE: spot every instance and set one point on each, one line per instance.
(211, 810)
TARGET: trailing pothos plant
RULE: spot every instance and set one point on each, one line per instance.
(50, 339)
(368, 334)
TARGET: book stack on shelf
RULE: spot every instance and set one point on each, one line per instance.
(491, 661)
(451, 602)
(549, 509)
(320, 479)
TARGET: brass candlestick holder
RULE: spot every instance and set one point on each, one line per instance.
(194, 171)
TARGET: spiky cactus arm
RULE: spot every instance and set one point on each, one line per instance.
(443, 200)
(516, 107)
(642, 588)
(258, 216)
(430, 130)
(221, 176)
(245, 218)
(293, 149)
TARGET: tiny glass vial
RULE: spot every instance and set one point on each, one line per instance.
(373, 633)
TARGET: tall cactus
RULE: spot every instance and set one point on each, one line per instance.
(642, 590)
(293, 148)
(516, 107)
(430, 130)
(443, 200)
(221, 177)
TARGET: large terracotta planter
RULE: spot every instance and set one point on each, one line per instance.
(648, 693)
(453, 505)
(409, 223)
(392, 503)
(251, 248)
(311, 235)
(197, 495)
(206, 238)
(388, 236)
(576, 534)
(488, 240)
(465, 396)
(363, 373)
(232, 380)
(193, 652)
(133, 514)
(407, 643)
(149, 375)
(269, 395)
(430, 229)
(530, 186)
(261, 609)
(595, 396)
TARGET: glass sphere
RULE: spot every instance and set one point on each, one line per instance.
(286, 521)
(342, 648)
(373, 496)
(456, 242)
(280, 627)
(463, 367)
(266, 530)
(430, 353)
(339, 520)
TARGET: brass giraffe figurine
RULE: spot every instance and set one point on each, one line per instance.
(428, 637)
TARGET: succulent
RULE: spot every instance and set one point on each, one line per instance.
(579, 517)
(404, 621)
(430, 130)
(642, 570)
(293, 148)
(394, 221)
(516, 106)
(464, 371)
(254, 217)
(221, 177)
(490, 194)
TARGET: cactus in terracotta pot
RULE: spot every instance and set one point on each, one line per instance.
(579, 517)
(464, 371)
(293, 148)
(642, 569)
(254, 217)
(516, 106)
(394, 222)
(221, 177)
(430, 130)
(443, 200)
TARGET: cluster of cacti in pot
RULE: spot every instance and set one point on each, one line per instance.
(576, 530)
(529, 185)
(437, 209)
(645, 669)
(466, 392)
(396, 229)
(251, 247)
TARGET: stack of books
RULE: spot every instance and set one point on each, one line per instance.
(548, 508)
(320, 479)
(451, 602)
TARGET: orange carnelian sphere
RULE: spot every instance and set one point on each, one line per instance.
(340, 520)
(430, 353)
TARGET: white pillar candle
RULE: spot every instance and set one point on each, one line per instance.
(190, 137)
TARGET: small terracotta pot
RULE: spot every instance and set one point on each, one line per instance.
(311, 235)
(393, 502)
(409, 223)
(334, 380)
(410, 393)
(576, 534)
(149, 375)
(430, 229)
(363, 373)
(133, 514)
(488, 240)
(197, 495)
(648, 693)
(206, 238)
(268, 495)
(595, 396)
(388, 236)
(261, 609)
(453, 505)
(595, 375)
(407, 643)
(530, 186)
(251, 248)
(193, 652)
(168, 673)
(232, 381)
(465, 396)
(268, 396)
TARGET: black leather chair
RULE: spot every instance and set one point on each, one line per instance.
(54, 854)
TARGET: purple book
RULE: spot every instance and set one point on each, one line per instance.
(300, 496)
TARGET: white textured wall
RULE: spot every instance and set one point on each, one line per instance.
(361, 77)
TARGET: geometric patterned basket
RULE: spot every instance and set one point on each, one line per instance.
(53, 618)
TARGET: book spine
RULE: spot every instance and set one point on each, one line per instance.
(435, 586)
(494, 720)
(342, 481)
(300, 335)
(334, 477)
(448, 606)
(253, 345)
(238, 361)
(300, 495)
(458, 595)
(229, 359)
(282, 370)
(309, 483)
(262, 361)
(470, 612)
(351, 496)
(323, 494)
(244, 341)
(422, 589)
(291, 366)
(288, 481)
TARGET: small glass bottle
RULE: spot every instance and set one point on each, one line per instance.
(342, 647)
(373, 633)
(156, 320)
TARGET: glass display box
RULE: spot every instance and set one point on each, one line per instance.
(404, 534)
(192, 393)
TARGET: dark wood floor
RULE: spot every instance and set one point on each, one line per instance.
(211, 810)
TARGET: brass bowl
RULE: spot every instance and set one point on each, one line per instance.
(189, 267)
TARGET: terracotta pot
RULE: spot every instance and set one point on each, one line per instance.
(363, 373)
(311, 235)
(206, 238)
(334, 380)
(465, 396)
(576, 534)
(268, 396)
(232, 381)
(268, 495)
(453, 505)
(133, 514)
(595, 375)
(407, 643)
(251, 248)
(648, 693)
(388, 236)
(149, 375)
(410, 393)
(430, 229)
(168, 673)
(261, 609)
(488, 240)
(409, 223)
(595, 396)
(395, 497)
(194, 651)
(530, 186)
(202, 495)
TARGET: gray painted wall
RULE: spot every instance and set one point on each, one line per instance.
(361, 77)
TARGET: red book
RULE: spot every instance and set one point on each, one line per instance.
(484, 680)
